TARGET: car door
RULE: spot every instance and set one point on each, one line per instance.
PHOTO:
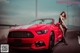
(58, 32)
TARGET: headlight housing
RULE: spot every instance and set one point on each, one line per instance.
(41, 32)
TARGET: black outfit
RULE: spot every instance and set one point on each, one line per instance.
(65, 29)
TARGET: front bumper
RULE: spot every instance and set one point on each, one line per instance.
(39, 42)
(29, 48)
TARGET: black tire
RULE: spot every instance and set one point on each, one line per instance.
(62, 39)
(51, 43)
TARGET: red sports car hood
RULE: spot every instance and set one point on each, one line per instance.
(32, 26)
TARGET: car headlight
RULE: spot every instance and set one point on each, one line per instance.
(42, 31)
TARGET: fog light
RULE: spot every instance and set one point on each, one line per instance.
(39, 43)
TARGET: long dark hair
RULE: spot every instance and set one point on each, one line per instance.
(64, 14)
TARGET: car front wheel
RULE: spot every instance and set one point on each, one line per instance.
(51, 42)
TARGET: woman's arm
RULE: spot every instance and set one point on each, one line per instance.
(63, 21)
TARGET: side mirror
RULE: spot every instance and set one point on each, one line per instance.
(57, 24)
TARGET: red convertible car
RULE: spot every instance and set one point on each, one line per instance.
(38, 35)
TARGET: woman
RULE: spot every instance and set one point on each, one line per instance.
(63, 26)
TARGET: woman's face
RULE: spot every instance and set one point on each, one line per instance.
(63, 14)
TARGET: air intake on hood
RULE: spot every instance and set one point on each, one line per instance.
(20, 34)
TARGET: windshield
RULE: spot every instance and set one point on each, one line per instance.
(42, 21)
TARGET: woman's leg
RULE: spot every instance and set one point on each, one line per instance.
(63, 40)
(65, 30)
(62, 29)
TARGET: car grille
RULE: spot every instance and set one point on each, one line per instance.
(20, 44)
(20, 34)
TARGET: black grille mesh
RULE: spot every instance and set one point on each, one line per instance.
(20, 44)
(20, 34)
